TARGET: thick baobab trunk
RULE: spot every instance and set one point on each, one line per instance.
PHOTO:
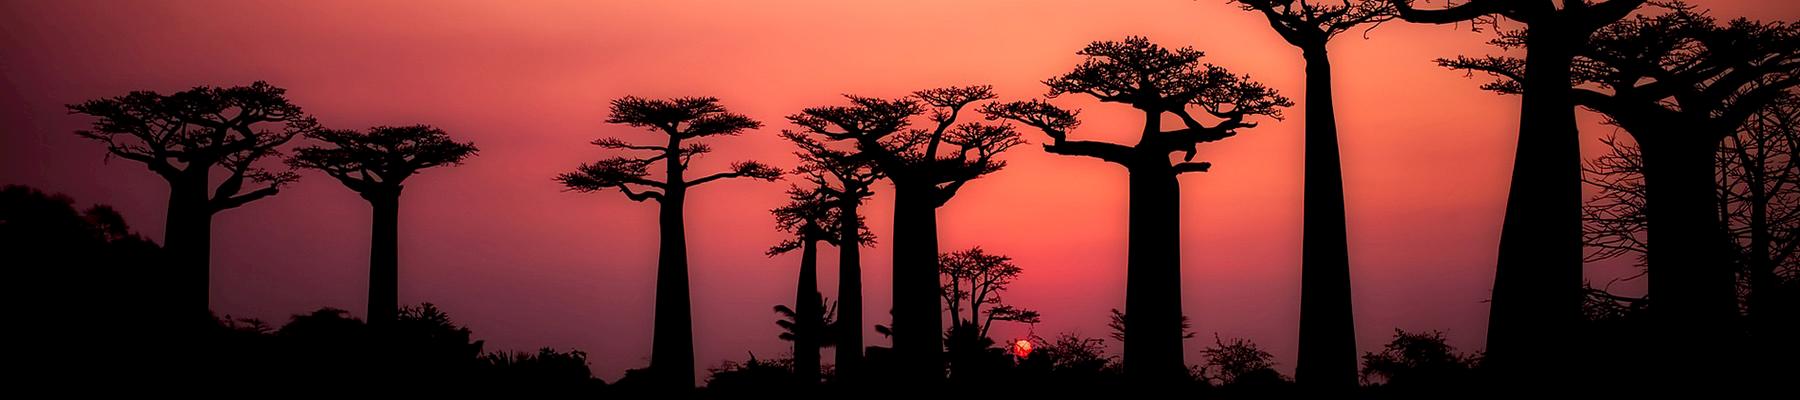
(850, 321)
(672, 347)
(187, 237)
(807, 330)
(1537, 281)
(1153, 331)
(1692, 281)
(918, 318)
(384, 258)
(1327, 359)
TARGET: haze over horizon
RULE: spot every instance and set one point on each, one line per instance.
(524, 264)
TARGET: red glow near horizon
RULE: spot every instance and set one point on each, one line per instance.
(1021, 348)
(524, 264)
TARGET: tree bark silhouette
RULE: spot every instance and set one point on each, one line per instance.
(849, 321)
(187, 235)
(672, 349)
(919, 346)
(806, 309)
(384, 258)
(1537, 282)
(1327, 325)
(1538, 294)
(1153, 334)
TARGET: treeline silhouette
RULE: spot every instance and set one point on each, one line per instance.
(1704, 175)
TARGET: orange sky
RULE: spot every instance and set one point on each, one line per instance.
(498, 245)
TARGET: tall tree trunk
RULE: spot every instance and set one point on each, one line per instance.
(1537, 281)
(1327, 359)
(384, 258)
(850, 320)
(806, 316)
(1692, 282)
(1763, 281)
(672, 347)
(918, 318)
(1153, 353)
(187, 235)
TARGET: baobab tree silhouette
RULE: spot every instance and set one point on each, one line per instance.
(1679, 83)
(845, 178)
(927, 167)
(375, 165)
(811, 216)
(1327, 359)
(182, 137)
(681, 119)
(1537, 293)
(1155, 80)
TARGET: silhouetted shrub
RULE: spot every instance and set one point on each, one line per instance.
(1239, 363)
(1418, 363)
(755, 376)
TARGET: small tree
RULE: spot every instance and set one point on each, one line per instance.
(682, 120)
(183, 137)
(1239, 363)
(972, 279)
(375, 165)
(1415, 361)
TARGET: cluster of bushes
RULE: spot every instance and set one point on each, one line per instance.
(421, 351)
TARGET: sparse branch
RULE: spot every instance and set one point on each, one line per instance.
(742, 169)
(1468, 11)
(1192, 167)
(616, 143)
(1509, 70)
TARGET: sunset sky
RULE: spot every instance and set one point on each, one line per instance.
(510, 254)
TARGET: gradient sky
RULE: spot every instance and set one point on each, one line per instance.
(524, 264)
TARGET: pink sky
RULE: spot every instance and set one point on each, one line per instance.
(524, 264)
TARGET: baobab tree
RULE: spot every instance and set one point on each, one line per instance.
(927, 167)
(1538, 293)
(183, 137)
(811, 216)
(375, 165)
(845, 178)
(1157, 81)
(683, 120)
(1327, 327)
(1679, 83)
